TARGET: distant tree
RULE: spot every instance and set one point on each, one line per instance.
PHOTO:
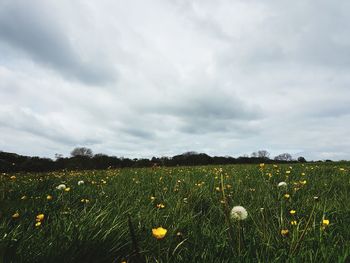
(263, 154)
(254, 155)
(301, 159)
(81, 151)
(58, 156)
(283, 157)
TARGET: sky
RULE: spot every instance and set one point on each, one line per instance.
(163, 77)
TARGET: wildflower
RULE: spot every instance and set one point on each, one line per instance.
(49, 197)
(37, 224)
(294, 223)
(15, 215)
(262, 165)
(286, 196)
(160, 206)
(152, 198)
(80, 182)
(303, 174)
(13, 177)
(217, 189)
(316, 198)
(67, 189)
(288, 172)
(24, 197)
(40, 217)
(85, 200)
(325, 223)
(61, 187)
(303, 182)
(292, 212)
(159, 232)
(282, 184)
(239, 213)
(341, 169)
(284, 232)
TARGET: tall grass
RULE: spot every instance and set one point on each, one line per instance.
(199, 230)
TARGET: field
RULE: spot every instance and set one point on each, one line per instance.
(109, 216)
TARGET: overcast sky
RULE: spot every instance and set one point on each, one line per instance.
(162, 77)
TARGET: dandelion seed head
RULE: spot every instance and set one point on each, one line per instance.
(239, 213)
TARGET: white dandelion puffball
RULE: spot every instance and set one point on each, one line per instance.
(282, 184)
(239, 213)
(80, 182)
(61, 187)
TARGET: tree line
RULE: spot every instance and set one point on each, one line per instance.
(82, 158)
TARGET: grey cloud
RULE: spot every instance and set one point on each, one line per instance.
(33, 29)
(227, 78)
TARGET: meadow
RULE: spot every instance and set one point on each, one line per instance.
(108, 215)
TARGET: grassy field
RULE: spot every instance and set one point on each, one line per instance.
(308, 220)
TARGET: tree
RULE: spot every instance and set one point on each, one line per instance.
(284, 157)
(301, 159)
(254, 155)
(263, 154)
(81, 151)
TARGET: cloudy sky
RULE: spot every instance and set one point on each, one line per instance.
(162, 77)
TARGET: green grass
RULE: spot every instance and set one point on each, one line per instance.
(194, 215)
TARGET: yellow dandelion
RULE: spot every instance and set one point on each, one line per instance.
(49, 197)
(286, 196)
(284, 232)
(67, 189)
(15, 215)
(288, 172)
(153, 198)
(160, 206)
(292, 212)
(294, 223)
(40, 217)
(37, 224)
(159, 232)
(303, 182)
(13, 177)
(325, 223)
(262, 165)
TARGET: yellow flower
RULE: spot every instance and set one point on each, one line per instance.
(153, 198)
(294, 223)
(286, 196)
(341, 169)
(159, 232)
(288, 172)
(325, 223)
(13, 177)
(284, 232)
(302, 174)
(67, 189)
(37, 224)
(303, 182)
(292, 212)
(85, 200)
(49, 197)
(160, 205)
(40, 217)
(15, 215)
(262, 165)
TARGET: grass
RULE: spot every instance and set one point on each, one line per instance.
(116, 222)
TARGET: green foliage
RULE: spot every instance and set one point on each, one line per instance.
(89, 223)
